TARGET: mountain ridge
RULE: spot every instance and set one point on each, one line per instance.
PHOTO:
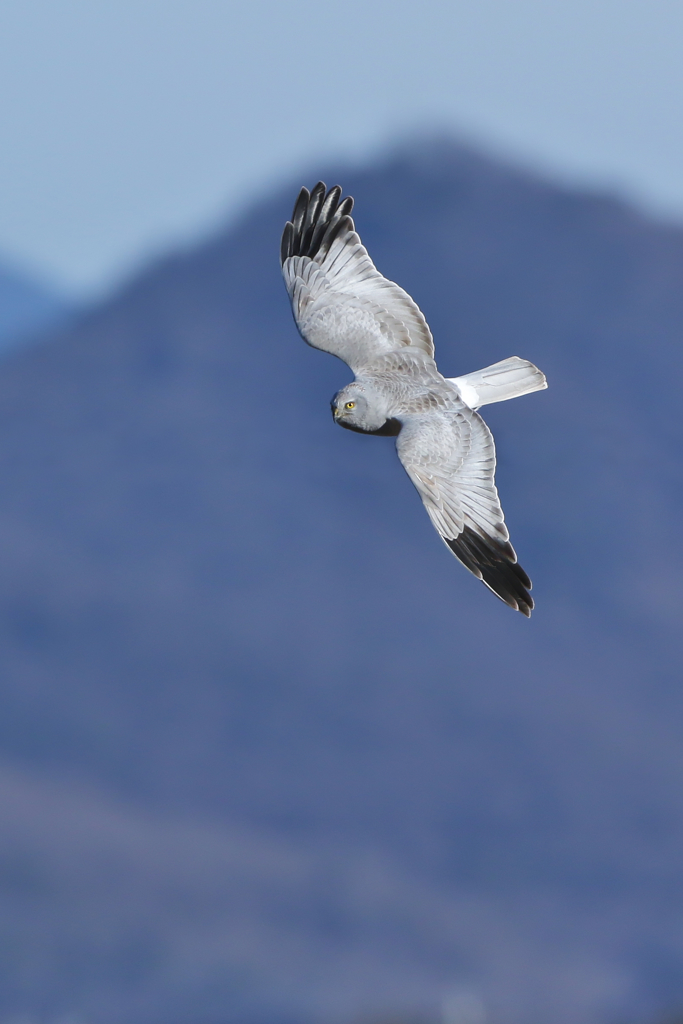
(27, 308)
(219, 608)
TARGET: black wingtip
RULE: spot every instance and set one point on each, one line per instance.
(494, 561)
(286, 243)
(317, 219)
(299, 211)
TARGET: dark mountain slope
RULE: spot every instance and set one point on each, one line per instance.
(218, 607)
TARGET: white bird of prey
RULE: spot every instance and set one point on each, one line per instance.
(343, 305)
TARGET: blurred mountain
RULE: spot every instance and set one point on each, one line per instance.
(270, 754)
(26, 308)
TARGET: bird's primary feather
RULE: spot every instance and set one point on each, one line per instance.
(341, 303)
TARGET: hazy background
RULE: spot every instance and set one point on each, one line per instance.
(267, 754)
(126, 125)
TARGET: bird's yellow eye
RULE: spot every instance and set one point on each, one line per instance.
(350, 405)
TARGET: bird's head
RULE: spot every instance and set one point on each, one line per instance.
(358, 407)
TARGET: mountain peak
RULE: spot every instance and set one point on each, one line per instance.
(429, 792)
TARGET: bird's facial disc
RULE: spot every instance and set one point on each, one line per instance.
(347, 404)
(354, 407)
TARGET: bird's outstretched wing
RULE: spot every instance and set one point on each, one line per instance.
(450, 457)
(341, 302)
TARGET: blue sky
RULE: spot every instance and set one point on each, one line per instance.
(127, 126)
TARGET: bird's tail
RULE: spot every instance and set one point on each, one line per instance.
(507, 379)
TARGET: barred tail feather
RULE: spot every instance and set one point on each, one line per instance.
(509, 378)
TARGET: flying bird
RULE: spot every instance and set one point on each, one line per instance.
(343, 305)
